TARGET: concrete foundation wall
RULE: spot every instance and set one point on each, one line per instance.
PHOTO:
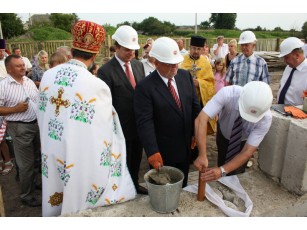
(283, 152)
(272, 148)
(294, 173)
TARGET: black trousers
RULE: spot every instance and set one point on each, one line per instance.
(222, 145)
(134, 157)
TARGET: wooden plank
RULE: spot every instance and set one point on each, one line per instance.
(2, 213)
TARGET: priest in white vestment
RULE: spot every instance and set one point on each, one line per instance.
(83, 147)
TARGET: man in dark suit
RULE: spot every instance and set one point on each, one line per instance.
(122, 73)
(166, 105)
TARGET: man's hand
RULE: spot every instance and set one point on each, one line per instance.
(21, 107)
(196, 83)
(155, 160)
(211, 174)
(201, 163)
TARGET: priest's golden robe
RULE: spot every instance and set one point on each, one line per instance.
(201, 70)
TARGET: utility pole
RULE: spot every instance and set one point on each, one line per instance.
(1, 34)
(195, 23)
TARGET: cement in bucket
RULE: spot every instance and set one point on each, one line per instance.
(165, 198)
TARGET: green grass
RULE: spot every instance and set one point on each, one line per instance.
(43, 34)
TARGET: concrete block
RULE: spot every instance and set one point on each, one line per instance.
(294, 172)
(273, 147)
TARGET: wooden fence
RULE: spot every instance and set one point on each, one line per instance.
(30, 49)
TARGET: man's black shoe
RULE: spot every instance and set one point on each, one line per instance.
(142, 190)
(32, 202)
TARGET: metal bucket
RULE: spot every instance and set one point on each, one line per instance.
(165, 198)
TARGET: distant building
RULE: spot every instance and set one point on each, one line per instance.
(39, 18)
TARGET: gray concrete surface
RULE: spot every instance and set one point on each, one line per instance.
(283, 153)
(269, 199)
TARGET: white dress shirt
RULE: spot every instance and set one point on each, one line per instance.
(226, 104)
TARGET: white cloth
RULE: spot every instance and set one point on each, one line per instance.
(28, 64)
(83, 146)
(222, 52)
(297, 86)
(226, 104)
(3, 72)
(148, 67)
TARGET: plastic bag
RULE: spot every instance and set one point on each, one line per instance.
(233, 183)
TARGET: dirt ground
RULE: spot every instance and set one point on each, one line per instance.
(10, 188)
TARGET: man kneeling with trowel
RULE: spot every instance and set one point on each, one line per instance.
(244, 119)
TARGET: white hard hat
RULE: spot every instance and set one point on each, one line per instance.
(255, 99)
(166, 50)
(127, 37)
(288, 45)
(247, 37)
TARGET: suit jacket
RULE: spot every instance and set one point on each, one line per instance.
(122, 92)
(161, 125)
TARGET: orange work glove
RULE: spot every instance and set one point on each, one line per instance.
(297, 113)
(193, 142)
(155, 160)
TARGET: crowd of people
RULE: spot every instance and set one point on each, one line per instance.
(84, 127)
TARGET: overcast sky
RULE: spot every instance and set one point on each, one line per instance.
(180, 12)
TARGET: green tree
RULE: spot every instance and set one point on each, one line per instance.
(124, 23)
(11, 25)
(278, 29)
(63, 21)
(304, 29)
(152, 26)
(223, 20)
(109, 29)
(204, 25)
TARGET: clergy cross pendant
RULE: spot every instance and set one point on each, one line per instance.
(194, 70)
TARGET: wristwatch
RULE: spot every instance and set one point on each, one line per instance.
(223, 171)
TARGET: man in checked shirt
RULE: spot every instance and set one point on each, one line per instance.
(247, 66)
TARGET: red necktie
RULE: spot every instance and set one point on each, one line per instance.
(130, 75)
(174, 94)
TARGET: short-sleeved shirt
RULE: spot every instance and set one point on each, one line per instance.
(257, 70)
(222, 52)
(28, 64)
(226, 104)
(297, 86)
(12, 93)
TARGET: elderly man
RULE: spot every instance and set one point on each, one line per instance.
(201, 70)
(165, 107)
(83, 147)
(247, 66)
(18, 97)
(220, 49)
(244, 119)
(3, 72)
(180, 43)
(122, 73)
(65, 50)
(294, 79)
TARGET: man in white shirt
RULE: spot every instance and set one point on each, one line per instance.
(28, 64)
(220, 49)
(3, 72)
(244, 119)
(294, 79)
(182, 50)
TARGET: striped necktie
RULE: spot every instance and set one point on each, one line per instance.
(174, 94)
(234, 145)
